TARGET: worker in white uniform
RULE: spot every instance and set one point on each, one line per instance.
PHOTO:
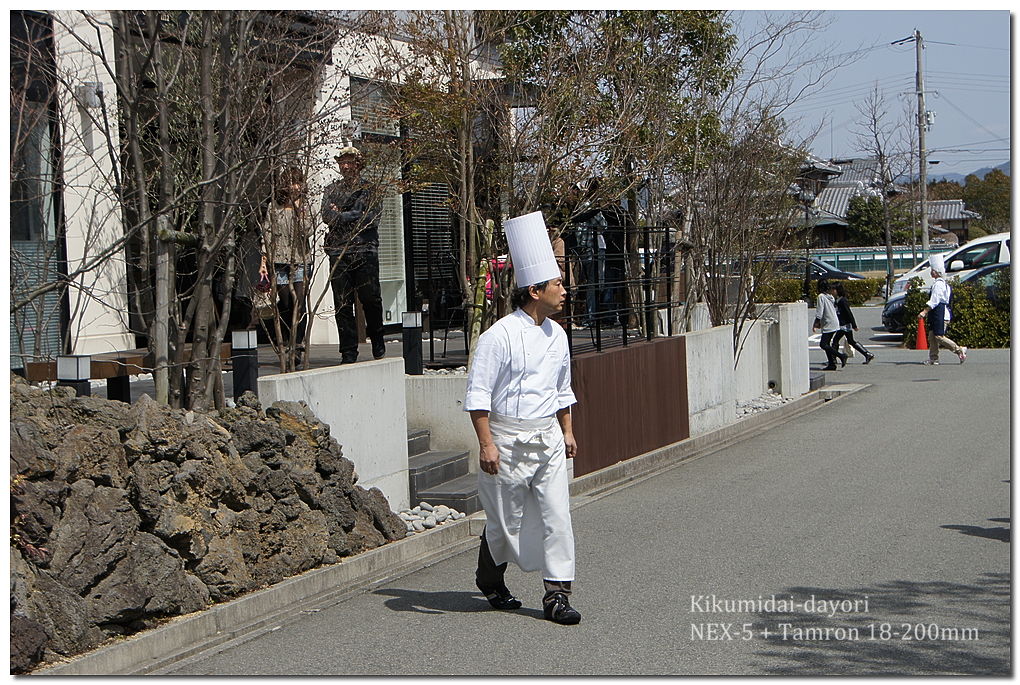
(519, 399)
(938, 306)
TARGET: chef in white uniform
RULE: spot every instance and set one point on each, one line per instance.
(938, 306)
(519, 398)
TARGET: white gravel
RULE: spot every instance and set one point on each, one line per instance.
(425, 517)
(764, 402)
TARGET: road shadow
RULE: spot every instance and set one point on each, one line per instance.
(964, 629)
(1000, 533)
(421, 602)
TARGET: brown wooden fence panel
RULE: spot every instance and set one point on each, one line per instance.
(630, 400)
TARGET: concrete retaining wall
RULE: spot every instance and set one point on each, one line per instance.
(365, 406)
(370, 405)
(752, 372)
(437, 403)
(787, 345)
(774, 351)
(710, 379)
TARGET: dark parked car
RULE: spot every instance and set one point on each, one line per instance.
(892, 314)
(793, 267)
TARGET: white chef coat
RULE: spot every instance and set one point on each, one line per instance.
(520, 374)
(940, 295)
(520, 370)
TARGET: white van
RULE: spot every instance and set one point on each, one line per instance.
(989, 249)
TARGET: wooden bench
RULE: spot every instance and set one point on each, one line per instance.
(116, 368)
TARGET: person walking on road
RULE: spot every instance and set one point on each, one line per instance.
(938, 308)
(519, 399)
(847, 325)
(827, 319)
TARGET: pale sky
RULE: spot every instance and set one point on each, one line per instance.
(966, 66)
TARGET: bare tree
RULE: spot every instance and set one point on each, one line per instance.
(889, 143)
(202, 110)
(735, 184)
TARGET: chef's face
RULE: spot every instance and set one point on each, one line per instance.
(552, 297)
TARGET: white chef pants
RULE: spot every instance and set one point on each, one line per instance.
(527, 503)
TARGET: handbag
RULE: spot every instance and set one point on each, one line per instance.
(848, 349)
(262, 300)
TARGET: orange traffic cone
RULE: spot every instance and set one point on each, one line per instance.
(922, 337)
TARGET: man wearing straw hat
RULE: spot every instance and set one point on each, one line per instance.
(519, 398)
(351, 211)
(938, 306)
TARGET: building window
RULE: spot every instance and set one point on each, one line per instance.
(36, 254)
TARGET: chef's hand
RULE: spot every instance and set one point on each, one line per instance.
(488, 458)
(571, 445)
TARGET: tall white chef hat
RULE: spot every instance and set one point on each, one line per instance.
(530, 250)
(937, 263)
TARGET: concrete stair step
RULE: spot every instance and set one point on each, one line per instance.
(460, 494)
(418, 441)
(431, 468)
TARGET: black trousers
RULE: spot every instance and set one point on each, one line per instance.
(489, 575)
(830, 351)
(356, 272)
(292, 305)
(849, 335)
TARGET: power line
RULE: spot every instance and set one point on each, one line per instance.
(857, 86)
(982, 142)
(820, 102)
(1004, 77)
(967, 116)
(962, 45)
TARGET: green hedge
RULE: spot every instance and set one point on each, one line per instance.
(975, 321)
(789, 290)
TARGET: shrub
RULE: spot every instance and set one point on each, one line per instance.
(859, 292)
(780, 290)
(789, 290)
(976, 321)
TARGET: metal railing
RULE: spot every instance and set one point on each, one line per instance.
(615, 294)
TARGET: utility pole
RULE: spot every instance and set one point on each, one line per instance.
(922, 122)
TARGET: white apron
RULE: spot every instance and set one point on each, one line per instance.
(527, 503)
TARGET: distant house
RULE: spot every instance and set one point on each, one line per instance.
(950, 220)
(857, 178)
(814, 178)
(838, 181)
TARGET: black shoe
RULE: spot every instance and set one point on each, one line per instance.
(868, 356)
(378, 349)
(558, 609)
(842, 360)
(348, 358)
(830, 367)
(502, 599)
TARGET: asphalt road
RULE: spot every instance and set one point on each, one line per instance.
(890, 506)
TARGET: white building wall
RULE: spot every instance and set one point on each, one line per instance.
(98, 300)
